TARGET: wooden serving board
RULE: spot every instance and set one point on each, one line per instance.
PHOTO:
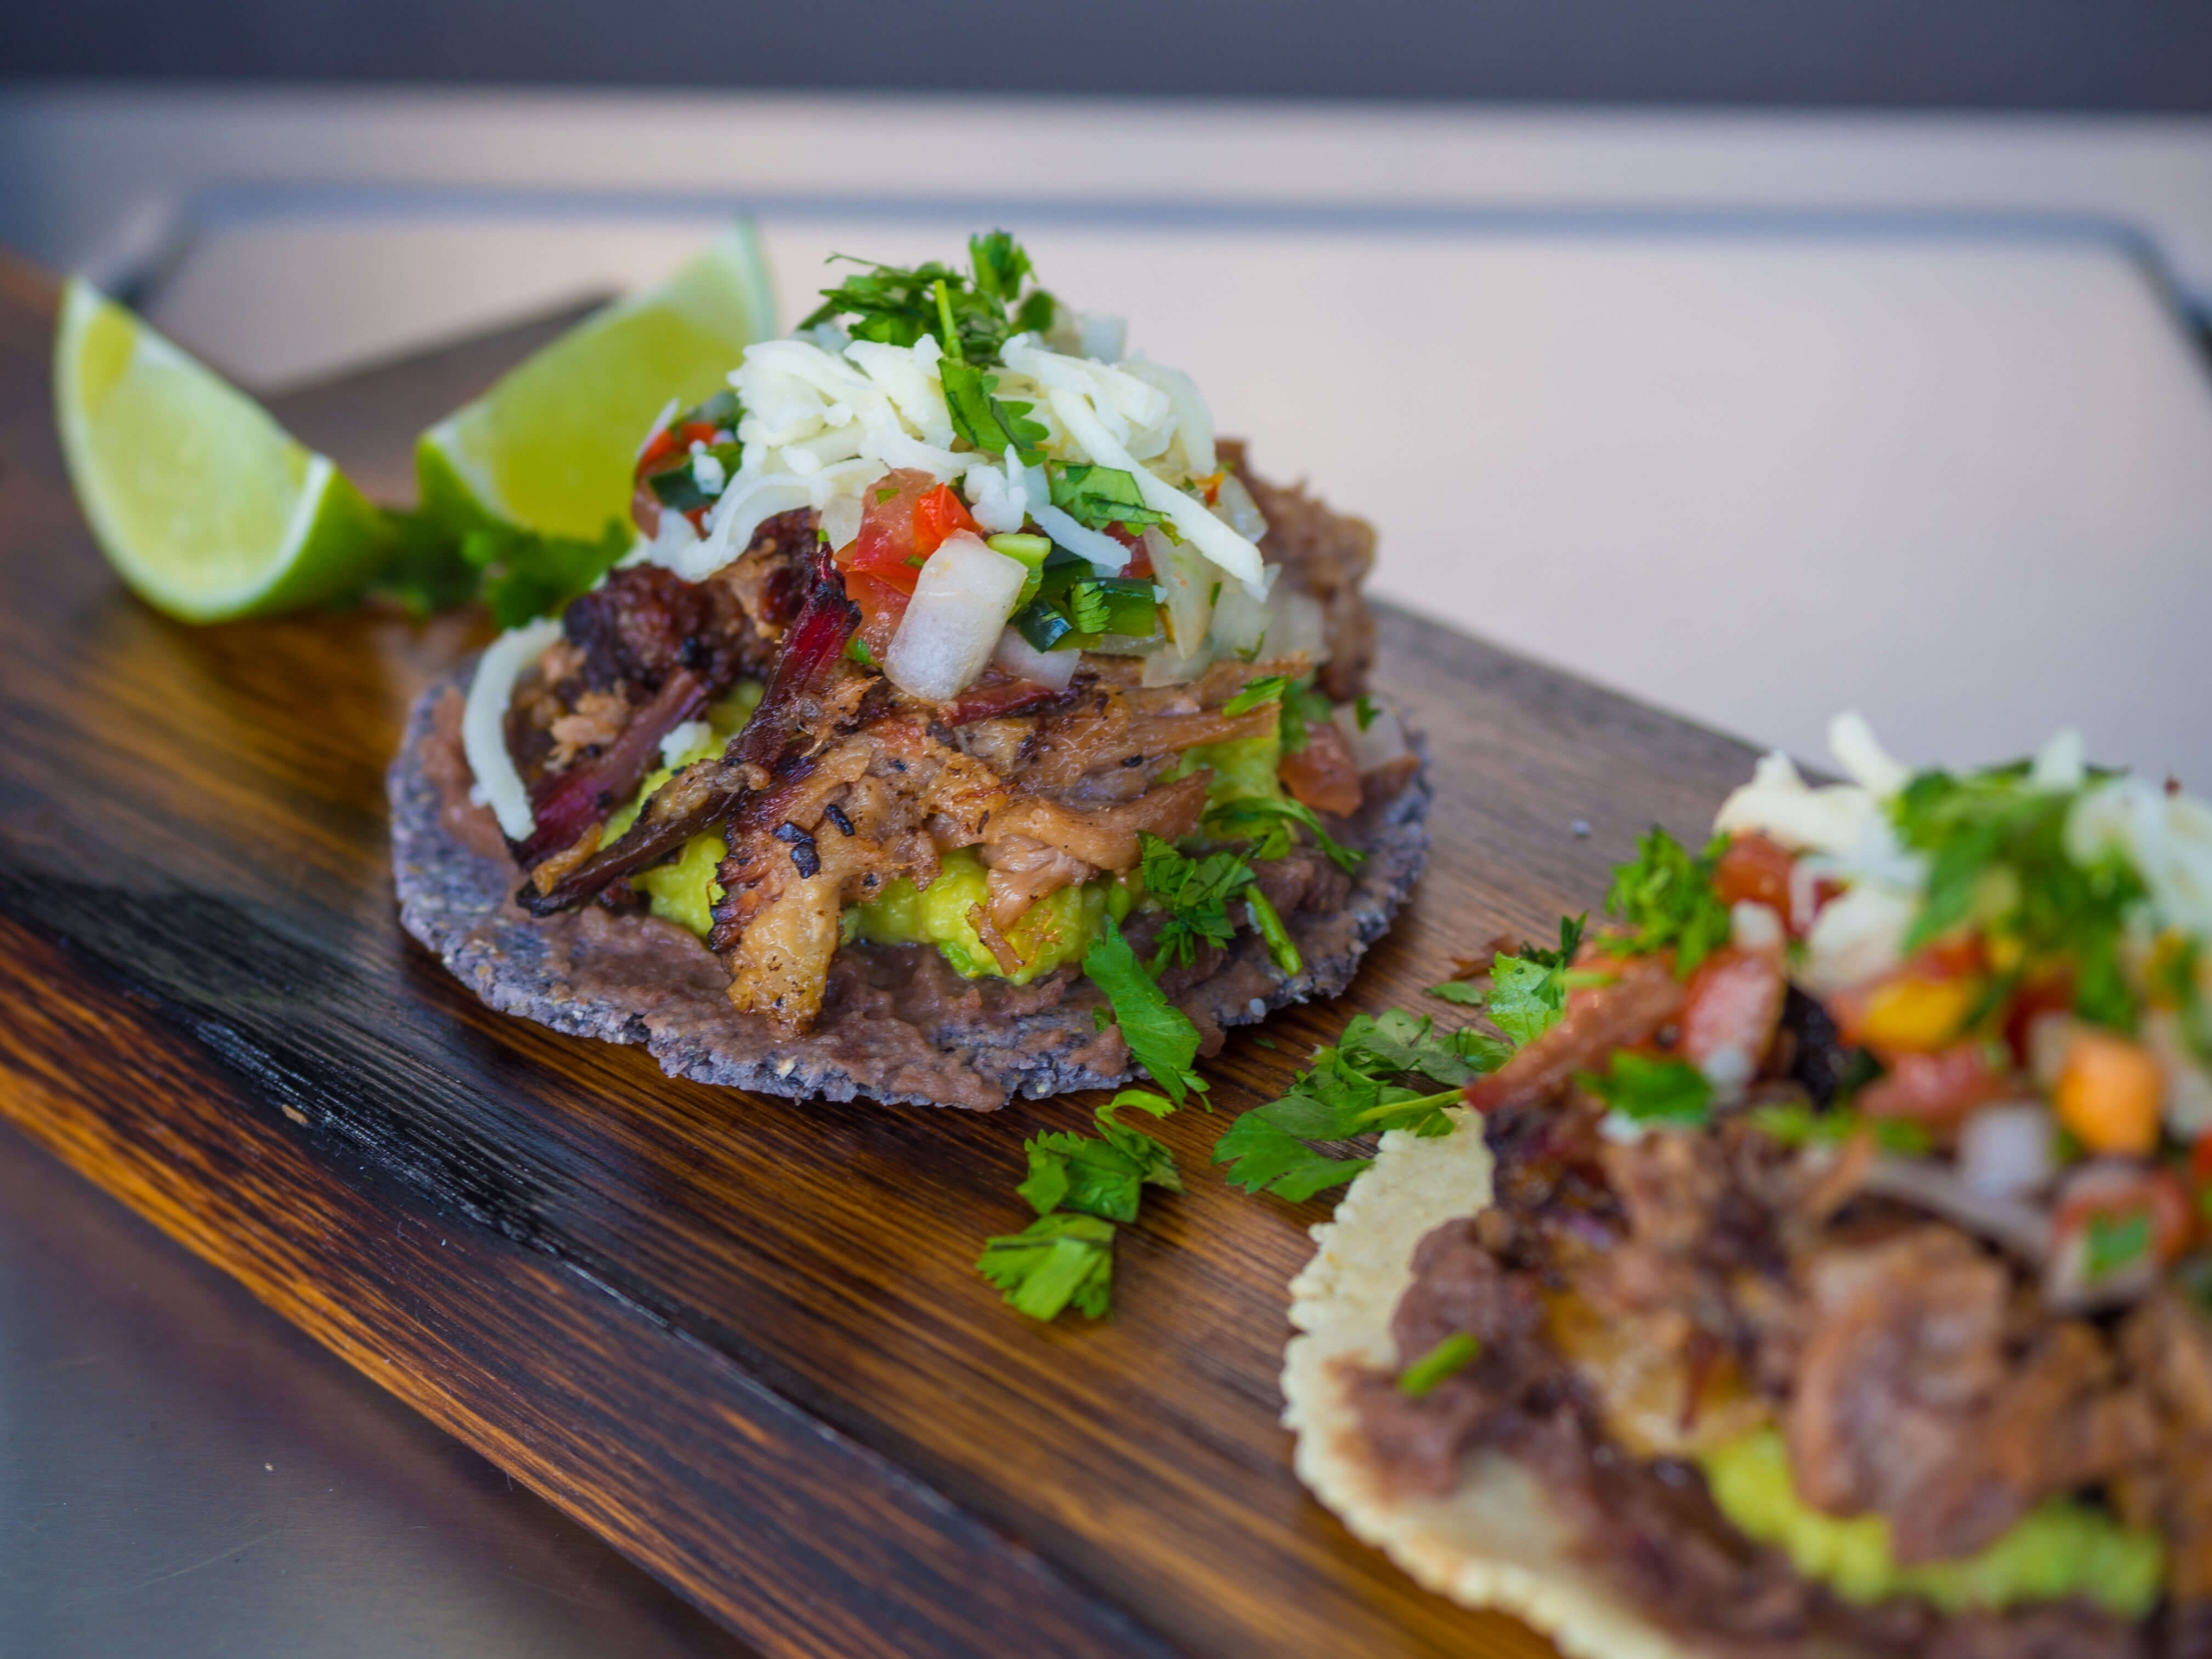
(740, 1338)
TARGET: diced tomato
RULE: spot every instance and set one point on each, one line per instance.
(2118, 1191)
(1139, 562)
(1322, 775)
(937, 516)
(671, 441)
(1756, 869)
(905, 516)
(882, 604)
(1734, 1002)
(1936, 1089)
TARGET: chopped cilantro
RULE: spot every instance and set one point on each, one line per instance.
(1088, 608)
(1195, 893)
(2115, 1242)
(1645, 1090)
(1267, 922)
(526, 575)
(1102, 1176)
(1057, 1260)
(1798, 1123)
(423, 569)
(1096, 496)
(1269, 688)
(857, 650)
(1266, 823)
(1348, 1091)
(1997, 859)
(1160, 1036)
(993, 426)
(1459, 992)
(972, 313)
(1302, 707)
(1447, 1359)
(1665, 896)
(1363, 711)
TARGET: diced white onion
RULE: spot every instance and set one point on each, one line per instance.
(2006, 1150)
(1169, 667)
(1858, 938)
(1299, 626)
(1383, 741)
(1102, 337)
(484, 724)
(1755, 926)
(952, 624)
(1240, 623)
(1862, 756)
(1235, 503)
(1189, 582)
(1025, 662)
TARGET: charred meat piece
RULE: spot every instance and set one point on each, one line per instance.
(645, 624)
(771, 748)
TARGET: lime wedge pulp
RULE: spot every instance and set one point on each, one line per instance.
(206, 506)
(550, 446)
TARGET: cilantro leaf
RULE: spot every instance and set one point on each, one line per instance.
(1526, 998)
(1998, 859)
(1303, 707)
(423, 570)
(1363, 710)
(1267, 921)
(1104, 1176)
(1264, 1158)
(1266, 822)
(1798, 1123)
(1096, 496)
(978, 311)
(1057, 1260)
(521, 573)
(1459, 992)
(527, 574)
(1269, 688)
(1195, 893)
(1160, 1036)
(1648, 1092)
(1665, 896)
(2115, 1242)
(1348, 1091)
(993, 426)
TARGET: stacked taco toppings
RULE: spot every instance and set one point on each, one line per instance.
(1844, 1284)
(952, 629)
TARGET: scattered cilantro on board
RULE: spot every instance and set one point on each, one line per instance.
(1080, 1185)
(1354, 1088)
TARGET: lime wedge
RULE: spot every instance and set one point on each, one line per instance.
(203, 504)
(550, 446)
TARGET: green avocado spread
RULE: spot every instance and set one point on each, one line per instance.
(1056, 929)
(2060, 1548)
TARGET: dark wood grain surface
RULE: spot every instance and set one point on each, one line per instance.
(739, 1337)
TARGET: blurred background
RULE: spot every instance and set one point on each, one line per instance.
(1759, 360)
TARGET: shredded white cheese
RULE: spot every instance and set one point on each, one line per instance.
(825, 416)
(484, 725)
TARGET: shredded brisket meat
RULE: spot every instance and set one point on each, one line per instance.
(1911, 1369)
(1052, 787)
